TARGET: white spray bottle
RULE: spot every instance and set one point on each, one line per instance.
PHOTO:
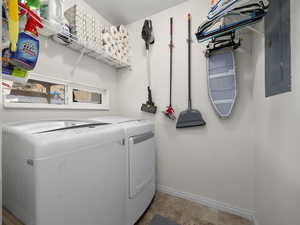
(56, 15)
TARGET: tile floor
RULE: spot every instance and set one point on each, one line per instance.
(179, 210)
(9, 219)
(186, 212)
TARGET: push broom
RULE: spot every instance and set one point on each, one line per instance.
(190, 117)
(170, 111)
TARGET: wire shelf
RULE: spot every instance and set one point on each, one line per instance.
(14, 78)
(101, 55)
(77, 46)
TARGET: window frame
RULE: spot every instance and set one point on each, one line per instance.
(80, 105)
(69, 104)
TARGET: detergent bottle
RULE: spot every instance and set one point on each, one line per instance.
(28, 46)
(34, 6)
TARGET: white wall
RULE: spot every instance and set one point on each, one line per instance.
(277, 148)
(87, 8)
(217, 161)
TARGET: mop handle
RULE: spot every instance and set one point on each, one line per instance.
(171, 58)
(189, 60)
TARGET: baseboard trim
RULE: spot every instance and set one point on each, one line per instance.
(255, 222)
(245, 213)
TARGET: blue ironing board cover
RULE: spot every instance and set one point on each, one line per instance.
(222, 85)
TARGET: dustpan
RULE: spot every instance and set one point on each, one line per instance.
(190, 117)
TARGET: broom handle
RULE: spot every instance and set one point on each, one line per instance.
(189, 61)
(171, 59)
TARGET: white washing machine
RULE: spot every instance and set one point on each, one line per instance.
(141, 164)
(65, 173)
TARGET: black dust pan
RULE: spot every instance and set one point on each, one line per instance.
(190, 117)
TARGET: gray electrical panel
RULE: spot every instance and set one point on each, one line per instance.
(278, 48)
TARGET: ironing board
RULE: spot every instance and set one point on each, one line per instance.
(222, 85)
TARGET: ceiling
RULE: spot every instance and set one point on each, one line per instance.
(128, 11)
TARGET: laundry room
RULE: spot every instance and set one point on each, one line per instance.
(174, 112)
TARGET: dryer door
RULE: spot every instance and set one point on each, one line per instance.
(141, 162)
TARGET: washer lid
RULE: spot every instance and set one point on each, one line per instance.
(45, 139)
(131, 126)
(33, 127)
(74, 139)
(114, 119)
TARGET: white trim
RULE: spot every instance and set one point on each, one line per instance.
(228, 74)
(245, 213)
(8, 105)
(46, 78)
(14, 78)
(103, 92)
(224, 101)
(255, 221)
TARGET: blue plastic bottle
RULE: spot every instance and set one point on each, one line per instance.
(28, 46)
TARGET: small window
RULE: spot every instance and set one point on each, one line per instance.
(46, 92)
(82, 96)
(35, 92)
